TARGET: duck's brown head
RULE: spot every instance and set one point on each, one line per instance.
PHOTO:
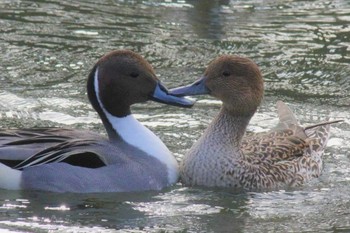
(236, 81)
(122, 78)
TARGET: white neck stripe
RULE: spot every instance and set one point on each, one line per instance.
(137, 135)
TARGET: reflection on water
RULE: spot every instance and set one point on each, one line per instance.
(175, 209)
(48, 47)
(206, 18)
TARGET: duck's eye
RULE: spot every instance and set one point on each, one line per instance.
(134, 74)
(226, 73)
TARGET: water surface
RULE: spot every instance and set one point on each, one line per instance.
(303, 48)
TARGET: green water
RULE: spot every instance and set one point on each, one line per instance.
(303, 48)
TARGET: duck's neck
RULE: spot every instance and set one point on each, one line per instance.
(137, 135)
(128, 129)
(229, 128)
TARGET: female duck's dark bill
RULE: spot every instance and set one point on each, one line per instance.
(162, 95)
(196, 88)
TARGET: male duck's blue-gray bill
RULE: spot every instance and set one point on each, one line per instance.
(162, 95)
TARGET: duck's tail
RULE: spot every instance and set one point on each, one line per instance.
(285, 114)
(310, 127)
(288, 120)
(317, 135)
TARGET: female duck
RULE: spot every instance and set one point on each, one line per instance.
(224, 156)
(132, 158)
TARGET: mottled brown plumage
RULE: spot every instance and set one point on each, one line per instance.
(225, 156)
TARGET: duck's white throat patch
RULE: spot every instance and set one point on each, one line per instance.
(139, 136)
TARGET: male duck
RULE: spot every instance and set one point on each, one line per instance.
(132, 158)
(288, 155)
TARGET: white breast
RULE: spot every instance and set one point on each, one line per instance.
(137, 135)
